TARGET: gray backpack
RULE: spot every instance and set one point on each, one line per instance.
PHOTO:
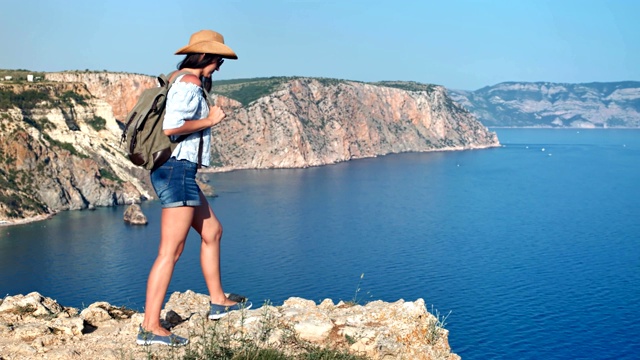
(145, 142)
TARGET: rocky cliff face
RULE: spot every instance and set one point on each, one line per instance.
(543, 104)
(310, 122)
(53, 158)
(119, 90)
(56, 157)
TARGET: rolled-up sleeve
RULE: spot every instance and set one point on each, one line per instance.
(183, 103)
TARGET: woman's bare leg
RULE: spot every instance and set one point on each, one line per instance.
(210, 230)
(175, 225)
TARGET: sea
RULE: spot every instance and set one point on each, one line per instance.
(530, 250)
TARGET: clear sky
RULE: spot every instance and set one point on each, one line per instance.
(461, 44)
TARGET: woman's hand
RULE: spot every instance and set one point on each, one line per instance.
(216, 115)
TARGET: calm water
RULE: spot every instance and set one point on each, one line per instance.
(536, 253)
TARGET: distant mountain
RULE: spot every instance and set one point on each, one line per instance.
(544, 104)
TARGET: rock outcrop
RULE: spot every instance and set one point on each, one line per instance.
(544, 104)
(134, 215)
(310, 122)
(33, 326)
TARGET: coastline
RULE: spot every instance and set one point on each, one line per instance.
(445, 149)
(28, 220)
(7, 223)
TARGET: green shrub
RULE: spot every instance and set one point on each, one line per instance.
(18, 204)
(407, 85)
(64, 145)
(31, 122)
(46, 124)
(97, 123)
(70, 95)
(70, 148)
(25, 100)
(6, 180)
(106, 174)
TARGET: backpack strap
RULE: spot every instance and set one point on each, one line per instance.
(200, 146)
(174, 75)
(205, 94)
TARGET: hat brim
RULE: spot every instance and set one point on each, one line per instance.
(208, 47)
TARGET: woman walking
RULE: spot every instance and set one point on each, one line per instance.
(189, 114)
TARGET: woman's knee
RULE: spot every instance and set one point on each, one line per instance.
(172, 255)
(212, 233)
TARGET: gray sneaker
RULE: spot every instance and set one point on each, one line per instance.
(219, 311)
(148, 338)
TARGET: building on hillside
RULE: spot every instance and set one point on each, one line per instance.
(30, 78)
(8, 77)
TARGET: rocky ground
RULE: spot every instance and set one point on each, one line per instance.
(36, 327)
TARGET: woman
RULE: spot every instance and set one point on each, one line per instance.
(183, 204)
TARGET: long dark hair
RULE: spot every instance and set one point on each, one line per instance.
(206, 82)
(198, 61)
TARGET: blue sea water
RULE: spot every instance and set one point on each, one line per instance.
(534, 247)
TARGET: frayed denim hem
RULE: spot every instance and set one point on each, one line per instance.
(182, 203)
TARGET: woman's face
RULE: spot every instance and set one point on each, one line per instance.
(215, 65)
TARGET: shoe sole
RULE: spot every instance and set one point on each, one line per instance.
(220, 316)
(156, 342)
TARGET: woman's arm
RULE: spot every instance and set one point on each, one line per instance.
(216, 115)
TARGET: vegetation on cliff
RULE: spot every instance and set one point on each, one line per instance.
(28, 96)
(248, 90)
(407, 85)
(19, 75)
(23, 100)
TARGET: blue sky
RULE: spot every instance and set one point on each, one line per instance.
(461, 44)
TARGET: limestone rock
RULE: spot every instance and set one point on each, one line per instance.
(101, 312)
(379, 330)
(96, 313)
(311, 323)
(120, 90)
(202, 179)
(134, 215)
(307, 122)
(67, 326)
(61, 161)
(32, 304)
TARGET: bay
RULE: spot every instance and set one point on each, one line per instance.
(534, 247)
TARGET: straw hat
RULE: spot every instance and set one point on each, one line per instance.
(208, 42)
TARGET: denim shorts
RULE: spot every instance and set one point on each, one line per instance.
(175, 183)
